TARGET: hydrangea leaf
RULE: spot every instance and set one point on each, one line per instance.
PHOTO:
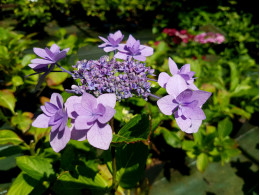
(9, 137)
(56, 78)
(202, 162)
(137, 129)
(7, 100)
(224, 128)
(22, 120)
(23, 184)
(36, 167)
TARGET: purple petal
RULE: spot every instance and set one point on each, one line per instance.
(42, 121)
(184, 96)
(163, 79)
(103, 39)
(200, 96)
(51, 108)
(193, 113)
(57, 100)
(185, 69)
(40, 52)
(100, 136)
(130, 41)
(182, 122)
(79, 135)
(66, 50)
(167, 105)
(173, 67)
(80, 110)
(118, 35)
(59, 56)
(176, 85)
(41, 61)
(120, 55)
(107, 99)
(59, 139)
(140, 58)
(45, 111)
(121, 47)
(108, 49)
(69, 106)
(109, 113)
(103, 45)
(38, 66)
(147, 51)
(193, 86)
(195, 125)
(82, 122)
(55, 48)
(88, 101)
(55, 127)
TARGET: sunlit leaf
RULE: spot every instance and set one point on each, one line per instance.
(7, 100)
(9, 137)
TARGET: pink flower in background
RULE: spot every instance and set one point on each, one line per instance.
(209, 37)
(178, 36)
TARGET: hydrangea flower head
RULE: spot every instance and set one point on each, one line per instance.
(132, 48)
(184, 103)
(48, 56)
(184, 72)
(55, 117)
(112, 41)
(90, 116)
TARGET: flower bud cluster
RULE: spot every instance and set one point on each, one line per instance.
(126, 78)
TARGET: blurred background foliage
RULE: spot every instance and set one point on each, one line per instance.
(229, 70)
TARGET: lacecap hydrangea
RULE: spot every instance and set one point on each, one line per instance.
(102, 82)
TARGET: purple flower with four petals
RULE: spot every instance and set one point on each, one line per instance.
(50, 56)
(55, 117)
(184, 72)
(89, 118)
(132, 48)
(185, 103)
(112, 41)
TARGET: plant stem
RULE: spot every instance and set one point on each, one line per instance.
(64, 69)
(113, 154)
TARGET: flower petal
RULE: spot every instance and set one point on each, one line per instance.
(40, 52)
(42, 121)
(118, 35)
(81, 122)
(88, 101)
(55, 48)
(108, 49)
(130, 41)
(120, 55)
(193, 113)
(195, 125)
(57, 100)
(51, 108)
(103, 39)
(140, 58)
(173, 67)
(167, 105)
(110, 112)
(107, 99)
(185, 69)
(79, 135)
(41, 61)
(69, 106)
(59, 139)
(59, 56)
(146, 51)
(176, 85)
(100, 136)
(200, 96)
(182, 122)
(163, 79)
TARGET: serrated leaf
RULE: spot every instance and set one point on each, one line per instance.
(36, 167)
(7, 100)
(9, 137)
(137, 129)
(131, 161)
(202, 162)
(23, 184)
(224, 128)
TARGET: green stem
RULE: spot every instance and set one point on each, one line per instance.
(113, 154)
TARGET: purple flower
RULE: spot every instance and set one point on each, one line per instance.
(184, 72)
(132, 48)
(112, 41)
(54, 116)
(50, 56)
(185, 103)
(89, 118)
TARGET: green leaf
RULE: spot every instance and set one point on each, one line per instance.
(234, 75)
(137, 129)
(56, 78)
(17, 80)
(8, 162)
(22, 120)
(202, 162)
(131, 161)
(188, 145)
(23, 184)
(36, 167)
(9, 137)
(7, 100)
(224, 128)
(171, 138)
(27, 59)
